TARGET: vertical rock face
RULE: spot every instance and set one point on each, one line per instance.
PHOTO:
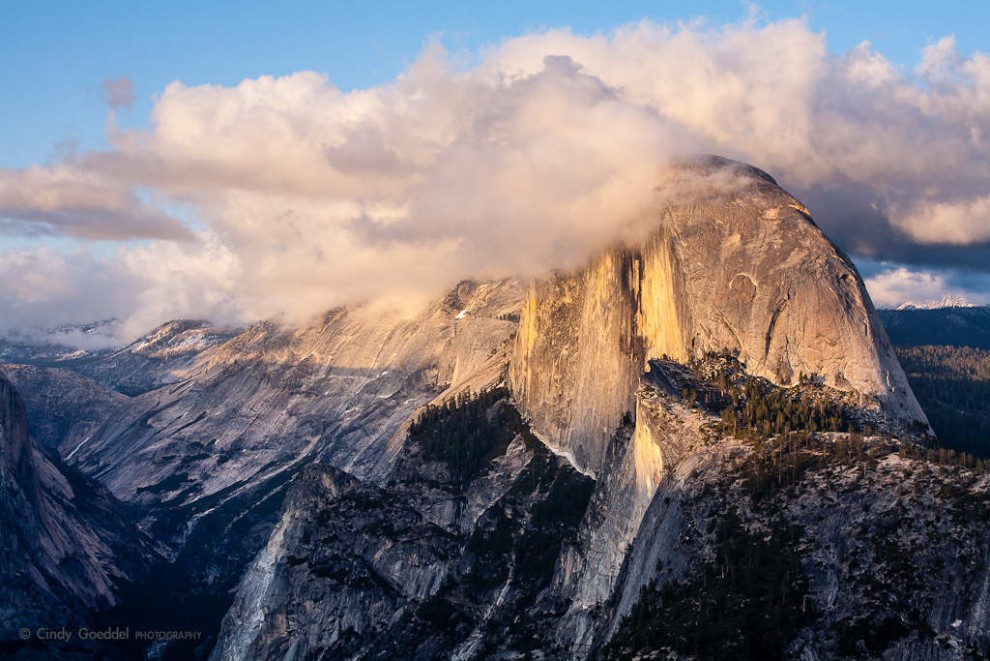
(575, 367)
(640, 459)
(15, 462)
(740, 267)
(65, 548)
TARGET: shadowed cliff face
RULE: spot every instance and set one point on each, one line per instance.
(15, 462)
(65, 546)
(745, 270)
(441, 563)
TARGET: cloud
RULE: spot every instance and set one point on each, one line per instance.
(893, 285)
(41, 287)
(957, 222)
(139, 287)
(118, 92)
(302, 196)
(80, 202)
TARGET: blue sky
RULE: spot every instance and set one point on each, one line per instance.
(56, 54)
(219, 192)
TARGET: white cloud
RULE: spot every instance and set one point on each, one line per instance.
(959, 222)
(548, 149)
(40, 287)
(894, 285)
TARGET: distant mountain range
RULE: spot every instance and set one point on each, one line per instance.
(949, 301)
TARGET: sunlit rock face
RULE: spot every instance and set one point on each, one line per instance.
(735, 263)
(270, 399)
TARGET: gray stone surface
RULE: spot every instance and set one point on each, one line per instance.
(66, 547)
(736, 265)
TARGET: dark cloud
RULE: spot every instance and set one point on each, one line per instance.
(848, 215)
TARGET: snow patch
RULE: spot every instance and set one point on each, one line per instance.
(947, 301)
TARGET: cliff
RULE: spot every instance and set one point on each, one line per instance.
(735, 263)
(67, 545)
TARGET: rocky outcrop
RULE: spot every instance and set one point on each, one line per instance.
(736, 263)
(66, 407)
(437, 564)
(66, 545)
(642, 456)
(330, 576)
(868, 552)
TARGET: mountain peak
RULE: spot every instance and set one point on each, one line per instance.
(711, 163)
(745, 270)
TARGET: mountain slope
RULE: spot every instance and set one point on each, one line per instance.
(953, 326)
(207, 458)
(68, 546)
(838, 547)
(268, 398)
(66, 407)
(946, 356)
(164, 356)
